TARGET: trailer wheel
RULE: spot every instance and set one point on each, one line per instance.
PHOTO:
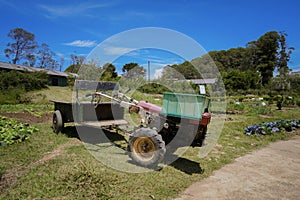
(146, 147)
(57, 122)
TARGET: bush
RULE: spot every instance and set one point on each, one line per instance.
(153, 88)
(288, 101)
(27, 80)
(14, 84)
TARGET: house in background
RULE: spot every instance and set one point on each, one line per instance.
(295, 73)
(55, 78)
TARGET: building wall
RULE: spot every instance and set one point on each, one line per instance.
(52, 79)
(57, 81)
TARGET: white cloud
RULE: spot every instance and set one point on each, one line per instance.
(117, 50)
(158, 73)
(61, 55)
(82, 43)
(69, 10)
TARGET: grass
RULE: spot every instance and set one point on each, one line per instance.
(58, 166)
(35, 109)
(51, 93)
(73, 173)
(22, 154)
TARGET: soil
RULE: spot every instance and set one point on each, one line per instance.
(269, 173)
(29, 118)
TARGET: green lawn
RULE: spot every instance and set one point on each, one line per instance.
(57, 166)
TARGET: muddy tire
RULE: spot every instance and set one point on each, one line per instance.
(146, 147)
(57, 122)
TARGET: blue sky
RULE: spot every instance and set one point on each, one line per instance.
(78, 26)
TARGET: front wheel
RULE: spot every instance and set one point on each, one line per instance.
(146, 147)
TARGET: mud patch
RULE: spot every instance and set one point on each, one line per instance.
(29, 118)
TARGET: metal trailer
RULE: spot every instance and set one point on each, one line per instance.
(182, 117)
(88, 113)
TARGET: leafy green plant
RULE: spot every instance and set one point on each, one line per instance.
(34, 109)
(12, 131)
(231, 106)
(272, 127)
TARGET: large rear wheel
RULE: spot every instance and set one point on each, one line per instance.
(146, 147)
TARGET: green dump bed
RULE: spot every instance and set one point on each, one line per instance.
(190, 106)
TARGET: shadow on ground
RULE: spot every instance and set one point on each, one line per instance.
(95, 136)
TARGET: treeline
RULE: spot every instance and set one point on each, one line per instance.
(256, 64)
(261, 64)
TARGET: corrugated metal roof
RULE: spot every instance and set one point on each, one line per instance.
(295, 72)
(10, 66)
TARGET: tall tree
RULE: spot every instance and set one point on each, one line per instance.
(23, 46)
(45, 57)
(31, 60)
(62, 61)
(109, 73)
(132, 70)
(284, 55)
(184, 70)
(77, 59)
(282, 79)
(267, 47)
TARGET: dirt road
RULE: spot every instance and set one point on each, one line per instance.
(269, 173)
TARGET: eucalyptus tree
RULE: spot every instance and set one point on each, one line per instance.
(23, 46)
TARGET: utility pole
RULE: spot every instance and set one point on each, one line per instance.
(149, 71)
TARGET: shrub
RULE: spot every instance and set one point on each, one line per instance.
(27, 80)
(14, 84)
(153, 88)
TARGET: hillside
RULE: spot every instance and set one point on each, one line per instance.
(52, 93)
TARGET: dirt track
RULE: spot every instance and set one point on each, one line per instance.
(269, 173)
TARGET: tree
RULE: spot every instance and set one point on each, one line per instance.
(31, 60)
(284, 55)
(73, 68)
(185, 70)
(294, 80)
(132, 70)
(45, 57)
(109, 73)
(23, 47)
(77, 60)
(267, 47)
(237, 80)
(62, 61)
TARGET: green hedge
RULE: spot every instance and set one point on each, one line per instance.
(15, 83)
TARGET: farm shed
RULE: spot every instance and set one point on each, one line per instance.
(55, 78)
